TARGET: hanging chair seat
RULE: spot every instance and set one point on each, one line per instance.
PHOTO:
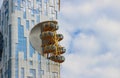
(49, 49)
(45, 27)
(61, 50)
(49, 26)
(59, 37)
(47, 35)
(48, 42)
(58, 59)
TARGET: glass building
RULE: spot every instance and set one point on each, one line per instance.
(17, 57)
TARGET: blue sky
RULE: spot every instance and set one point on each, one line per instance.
(91, 31)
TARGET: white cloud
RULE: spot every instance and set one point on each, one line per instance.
(102, 66)
(88, 7)
(107, 26)
(107, 3)
(86, 44)
(108, 31)
(72, 10)
(94, 55)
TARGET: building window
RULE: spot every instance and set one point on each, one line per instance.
(33, 73)
(24, 14)
(30, 77)
(5, 42)
(33, 23)
(9, 40)
(16, 68)
(37, 1)
(42, 72)
(29, 4)
(9, 69)
(51, 13)
(39, 70)
(1, 73)
(56, 14)
(39, 57)
(22, 72)
(54, 75)
(32, 12)
(38, 18)
(45, 1)
(52, 2)
(47, 66)
(27, 24)
(31, 50)
(19, 4)
(45, 9)
(31, 62)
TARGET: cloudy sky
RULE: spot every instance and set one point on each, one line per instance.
(91, 31)
(92, 37)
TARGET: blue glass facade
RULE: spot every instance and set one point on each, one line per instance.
(27, 24)
(21, 46)
(22, 73)
(9, 69)
(32, 51)
(19, 2)
(39, 70)
(38, 18)
(33, 72)
(16, 21)
(33, 23)
(24, 15)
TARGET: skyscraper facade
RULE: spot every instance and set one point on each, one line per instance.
(18, 59)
